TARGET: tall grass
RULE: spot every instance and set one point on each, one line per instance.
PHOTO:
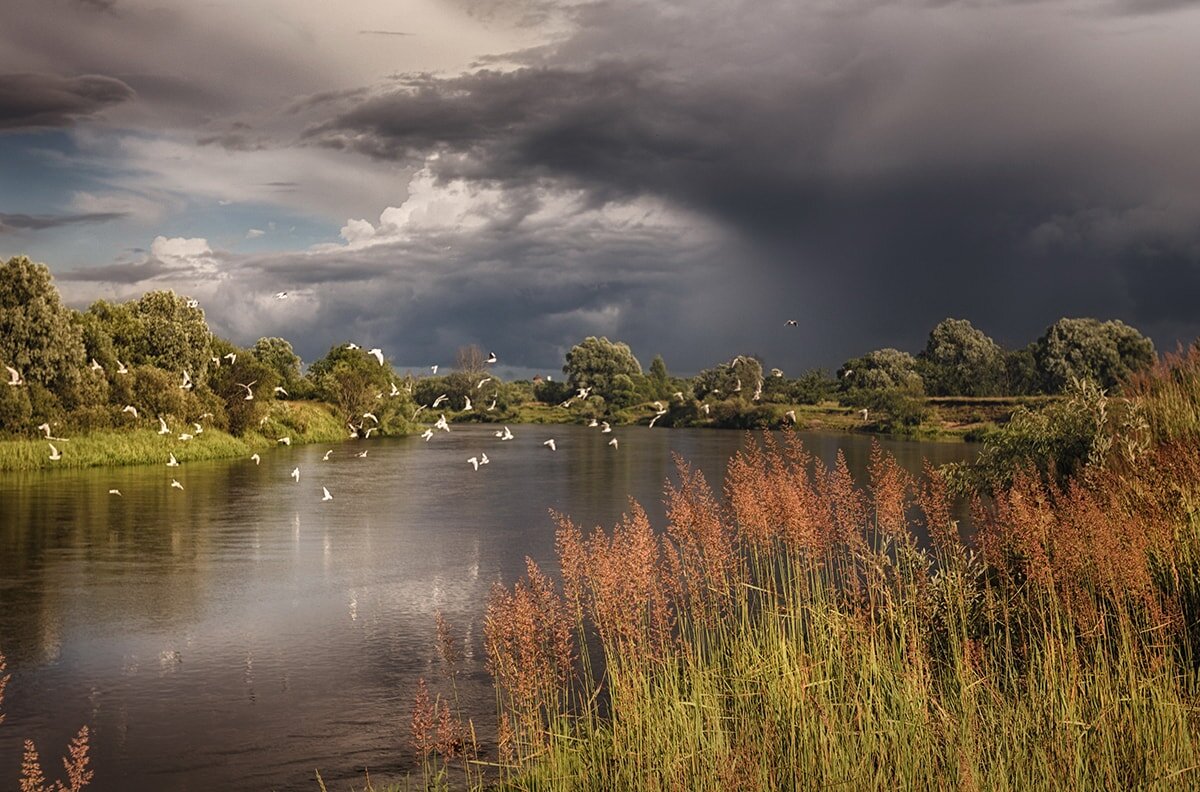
(795, 634)
(303, 422)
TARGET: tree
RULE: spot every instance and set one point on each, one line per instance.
(277, 354)
(357, 384)
(176, 336)
(960, 360)
(737, 378)
(881, 370)
(659, 379)
(1107, 353)
(596, 363)
(470, 359)
(38, 335)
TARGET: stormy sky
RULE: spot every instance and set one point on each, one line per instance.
(684, 176)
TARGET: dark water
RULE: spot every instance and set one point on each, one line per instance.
(242, 633)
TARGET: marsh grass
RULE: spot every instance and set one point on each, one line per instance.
(304, 422)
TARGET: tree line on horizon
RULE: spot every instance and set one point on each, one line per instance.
(82, 369)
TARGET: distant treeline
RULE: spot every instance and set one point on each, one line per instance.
(127, 364)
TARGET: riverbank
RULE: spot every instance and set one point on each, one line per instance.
(947, 419)
(300, 421)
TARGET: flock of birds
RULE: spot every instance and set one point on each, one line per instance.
(361, 430)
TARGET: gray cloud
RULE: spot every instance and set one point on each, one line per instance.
(30, 101)
(888, 164)
(13, 222)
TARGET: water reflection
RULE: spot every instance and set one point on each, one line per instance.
(241, 632)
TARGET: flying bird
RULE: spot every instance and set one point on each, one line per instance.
(55, 454)
(439, 400)
(474, 462)
(653, 420)
(492, 406)
(604, 427)
(172, 462)
(468, 405)
(279, 389)
(776, 372)
(249, 393)
(863, 413)
(613, 442)
(325, 496)
(371, 416)
(483, 460)
(428, 433)
(419, 408)
(678, 395)
(508, 435)
(162, 426)
(491, 358)
(705, 406)
(176, 485)
(792, 323)
(96, 366)
(231, 357)
(363, 455)
(482, 382)
(281, 295)
(378, 353)
(353, 345)
(192, 303)
(45, 427)
(185, 437)
(550, 443)
(14, 376)
(121, 369)
(433, 368)
(187, 381)
(395, 390)
(441, 423)
(287, 441)
(326, 457)
(296, 474)
(791, 414)
(199, 429)
(257, 459)
(116, 492)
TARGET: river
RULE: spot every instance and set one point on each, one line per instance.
(242, 633)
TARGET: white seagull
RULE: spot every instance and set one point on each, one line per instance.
(176, 485)
(185, 437)
(604, 427)
(491, 358)
(790, 414)
(326, 457)
(55, 454)
(116, 492)
(468, 406)
(363, 455)
(441, 423)
(287, 441)
(863, 413)
(433, 368)
(613, 442)
(172, 462)
(492, 406)
(474, 462)
(508, 435)
(654, 420)
(296, 474)
(483, 460)
(121, 367)
(96, 366)
(162, 426)
(395, 390)
(482, 382)
(378, 353)
(281, 295)
(705, 406)
(325, 494)
(428, 433)
(353, 345)
(231, 357)
(14, 376)
(371, 416)
(550, 443)
(192, 303)
(249, 392)
(257, 459)
(187, 381)
(46, 428)
(678, 395)
(279, 390)
(439, 400)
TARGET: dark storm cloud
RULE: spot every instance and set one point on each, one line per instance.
(30, 101)
(13, 222)
(891, 164)
(122, 273)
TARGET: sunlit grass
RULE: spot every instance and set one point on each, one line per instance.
(303, 422)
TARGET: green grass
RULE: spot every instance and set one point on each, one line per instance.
(304, 422)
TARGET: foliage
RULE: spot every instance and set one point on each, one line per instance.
(597, 362)
(882, 369)
(737, 379)
(356, 382)
(1107, 353)
(277, 355)
(37, 334)
(1057, 441)
(176, 337)
(812, 387)
(1021, 372)
(960, 360)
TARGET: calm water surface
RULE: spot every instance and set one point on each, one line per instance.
(242, 633)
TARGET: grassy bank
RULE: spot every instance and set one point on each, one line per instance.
(303, 422)
(795, 634)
